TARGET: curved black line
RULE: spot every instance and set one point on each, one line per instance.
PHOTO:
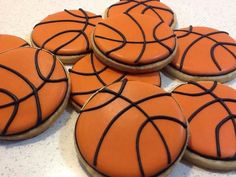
(24, 45)
(73, 39)
(197, 94)
(81, 33)
(75, 15)
(118, 4)
(188, 32)
(95, 72)
(109, 101)
(51, 71)
(217, 100)
(166, 38)
(222, 44)
(159, 8)
(15, 110)
(170, 50)
(64, 32)
(217, 132)
(143, 36)
(153, 8)
(62, 21)
(136, 5)
(119, 33)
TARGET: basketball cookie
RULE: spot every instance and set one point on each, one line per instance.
(153, 8)
(89, 75)
(66, 34)
(204, 54)
(128, 130)
(9, 42)
(34, 91)
(134, 43)
(210, 108)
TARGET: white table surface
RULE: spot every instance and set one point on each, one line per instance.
(52, 154)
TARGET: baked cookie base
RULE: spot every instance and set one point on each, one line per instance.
(68, 60)
(93, 173)
(185, 77)
(128, 68)
(38, 130)
(76, 106)
(209, 163)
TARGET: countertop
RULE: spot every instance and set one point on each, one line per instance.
(52, 154)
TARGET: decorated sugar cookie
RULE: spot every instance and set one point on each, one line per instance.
(128, 129)
(134, 43)
(210, 108)
(204, 54)
(66, 34)
(89, 75)
(9, 42)
(153, 8)
(34, 91)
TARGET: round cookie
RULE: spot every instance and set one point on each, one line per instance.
(144, 45)
(9, 42)
(34, 90)
(89, 75)
(122, 133)
(66, 34)
(153, 8)
(204, 54)
(210, 108)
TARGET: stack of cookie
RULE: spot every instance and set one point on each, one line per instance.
(128, 126)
